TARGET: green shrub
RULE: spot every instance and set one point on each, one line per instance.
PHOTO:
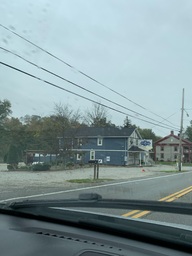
(24, 167)
(12, 157)
(70, 164)
(41, 167)
(10, 167)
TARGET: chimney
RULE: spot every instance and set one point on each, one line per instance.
(172, 132)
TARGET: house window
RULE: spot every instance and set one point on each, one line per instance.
(92, 155)
(162, 148)
(175, 148)
(162, 156)
(79, 157)
(175, 157)
(79, 142)
(99, 141)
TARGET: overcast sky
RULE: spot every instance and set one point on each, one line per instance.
(139, 49)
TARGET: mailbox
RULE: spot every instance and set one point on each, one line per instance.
(93, 161)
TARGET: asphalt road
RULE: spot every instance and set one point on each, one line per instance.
(175, 186)
(149, 188)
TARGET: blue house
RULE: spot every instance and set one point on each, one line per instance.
(108, 145)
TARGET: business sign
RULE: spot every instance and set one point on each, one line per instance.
(145, 144)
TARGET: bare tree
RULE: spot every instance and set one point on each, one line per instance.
(97, 116)
(67, 121)
(66, 117)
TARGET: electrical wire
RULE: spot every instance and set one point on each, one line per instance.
(79, 71)
(166, 118)
(76, 94)
(81, 87)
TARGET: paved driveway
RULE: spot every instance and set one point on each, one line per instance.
(3, 167)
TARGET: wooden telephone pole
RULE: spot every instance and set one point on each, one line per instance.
(181, 134)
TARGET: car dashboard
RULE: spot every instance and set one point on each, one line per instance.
(25, 236)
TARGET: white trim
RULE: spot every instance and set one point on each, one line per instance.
(78, 157)
(99, 141)
(92, 155)
(106, 136)
(98, 150)
(79, 142)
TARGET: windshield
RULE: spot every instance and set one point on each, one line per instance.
(96, 98)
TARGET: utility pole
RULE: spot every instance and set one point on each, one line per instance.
(181, 134)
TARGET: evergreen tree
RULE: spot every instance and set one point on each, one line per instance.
(12, 157)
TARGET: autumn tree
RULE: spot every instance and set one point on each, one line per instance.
(148, 134)
(32, 126)
(5, 111)
(48, 134)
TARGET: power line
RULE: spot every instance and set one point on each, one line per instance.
(79, 71)
(166, 118)
(76, 94)
(79, 86)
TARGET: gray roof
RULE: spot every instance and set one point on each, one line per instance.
(135, 149)
(103, 132)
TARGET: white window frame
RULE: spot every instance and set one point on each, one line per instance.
(92, 155)
(99, 141)
(79, 157)
(79, 142)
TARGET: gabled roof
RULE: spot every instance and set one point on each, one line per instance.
(104, 132)
(135, 149)
(174, 136)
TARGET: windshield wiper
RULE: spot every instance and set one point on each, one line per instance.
(93, 200)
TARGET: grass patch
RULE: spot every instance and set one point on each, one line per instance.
(176, 171)
(172, 163)
(187, 164)
(88, 180)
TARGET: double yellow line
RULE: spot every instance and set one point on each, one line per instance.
(138, 213)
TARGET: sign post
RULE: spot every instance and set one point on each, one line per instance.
(95, 168)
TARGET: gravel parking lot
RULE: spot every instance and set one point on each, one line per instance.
(56, 178)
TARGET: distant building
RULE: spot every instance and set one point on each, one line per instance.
(109, 145)
(167, 149)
